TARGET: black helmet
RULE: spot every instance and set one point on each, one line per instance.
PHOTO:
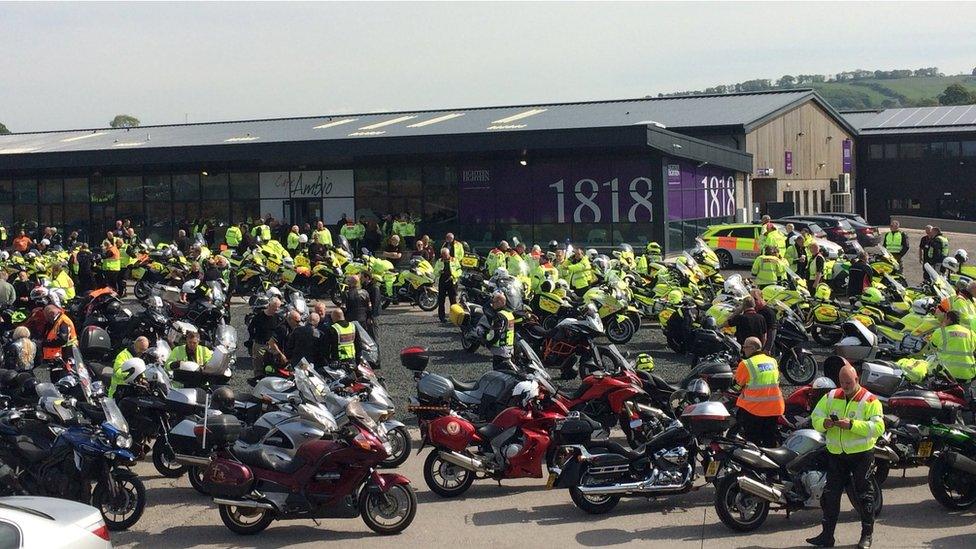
(223, 398)
(553, 245)
(7, 378)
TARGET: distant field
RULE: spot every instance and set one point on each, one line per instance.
(873, 93)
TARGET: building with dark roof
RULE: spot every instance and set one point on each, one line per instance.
(917, 161)
(600, 173)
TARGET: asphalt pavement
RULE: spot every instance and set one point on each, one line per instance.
(522, 513)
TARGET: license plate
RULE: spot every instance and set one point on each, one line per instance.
(552, 481)
(712, 469)
(925, 449)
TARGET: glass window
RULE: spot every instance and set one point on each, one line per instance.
(159, 221)
(935, 149)
(399, 204)
(76, 190)
(592, 234)
(52, 215)
(76, 217)
(952, 149)
(50, 191)
(635, 234)
(157, 187)
(184, 213)
(891, 150)
(405, 181)
(217, 210)
(876, 152)
(9, 536)
(102, 219)
(6, 191)
(25, 191)
(129, 188)
(743, 232)
(214, 186)
(440, 209)
(186, 186)
(969, 148)
(102, 189)
(133, 211)
(806, 202)
(245, 210)
(6, 215)
(25, 215)
(546, 233)
(511, 232)
(910, 150)
(371, 183)
(245, 185)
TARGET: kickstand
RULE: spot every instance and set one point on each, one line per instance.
(787, 513)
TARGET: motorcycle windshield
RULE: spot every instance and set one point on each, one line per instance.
(298, 303)
(356, 413)
(691, 262)
(82, 372)
(217, 294)
(47, 390)
(592, 320)
(939, 283)
(227, 336)
(113, 416)
(369, 349)
(735, 287)
(512, 289)
(303, 382)
(163, 351)
(156, 376)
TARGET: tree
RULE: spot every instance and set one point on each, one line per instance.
(786, 81)
(3, 129)
(974, 72)
(124, 121)
(957, 94)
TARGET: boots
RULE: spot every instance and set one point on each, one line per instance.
(826, 537)
(865, 542)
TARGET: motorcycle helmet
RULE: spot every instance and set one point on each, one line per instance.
(553, 246)
(645, 362)
(963, 283)
(303, 239)
(626, 249)
(675, 297)
(273, 292)
(4, 255)
(190, 286)
(7, 378)
(600, 264)
(501, 272)
(288, 262)
(547, 286)
(223, 398)
(872, 296)
(961, 255)
(133, 369)
(698, 391)
(525, 392)
(950, 264)
(39, 294)
(415, 263)
(31, 255)
(922, 306)
(823, 292)
(562, 284)
(591, 254)
(710, 323)
(820, 387)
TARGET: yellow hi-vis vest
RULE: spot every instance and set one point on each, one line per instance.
(768, 270)
(322, 236)
(865, 413)
(347, 341)
(893, 242)
(955, 346)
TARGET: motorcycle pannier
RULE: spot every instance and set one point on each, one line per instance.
(917, 406)
(228, 479)
(880, 379)
(222, 430)
(415, 359)
(94, 342)
(706, 418)
(576, 430)
(433, 388)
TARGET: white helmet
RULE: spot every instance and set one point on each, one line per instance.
(289, 262)
(961, 255)
(273, 292)
(501, 272)
(57, 296)
(4, 255)
(303, 239)
(824, 382)
(190, 286)
(921, 306)
(525, 391)
(592, 253)
(950, 264)
(133, 368)
(45, 242)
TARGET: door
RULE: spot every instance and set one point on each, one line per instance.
(305, 210)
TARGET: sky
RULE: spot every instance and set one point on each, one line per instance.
(76, 65)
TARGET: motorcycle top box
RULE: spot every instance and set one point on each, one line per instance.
(222, 430)
(435, 388)
(858, 343)
(94, 342)
(706, 418)
(717, 373)
(457, 314)
(575, 430)
(918, 405)
(881, 379)
(415, 359)
(227, 478)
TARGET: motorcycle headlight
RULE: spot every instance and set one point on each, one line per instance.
(123, 440)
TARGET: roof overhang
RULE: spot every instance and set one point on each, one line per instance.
(676, 144)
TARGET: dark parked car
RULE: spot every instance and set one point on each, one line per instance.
(839, 231)
(868, 235)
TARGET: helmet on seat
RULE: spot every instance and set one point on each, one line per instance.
(547, 286)
(921, 306)
(950, 264)
(133, 368)
(525, 391)
(645, 362)
(823, 292)
(961, 255)
(190, 286)
(698, 391)
(223, 398)
(872, 296)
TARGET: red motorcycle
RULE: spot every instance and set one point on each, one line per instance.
(514, 445)
(327, 478)
(607, 398)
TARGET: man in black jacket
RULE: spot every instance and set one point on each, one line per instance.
(305, 340)
(859, 276)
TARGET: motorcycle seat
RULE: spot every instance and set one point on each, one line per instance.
(891, 421)
(31, 451)
(463, 385)
(781, 456)
(262, 458)
(489, 431)
(617, 448)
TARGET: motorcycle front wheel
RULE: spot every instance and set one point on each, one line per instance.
(951, 488)
(739, 510)
(620, 332)
(799, 369)
(470, 342)
(427, 299)
(246, 521)
(592, 504)
(164, 459)
(389, 513)
(446, 479)
(142, 290)
(125, 508)
(400, 447)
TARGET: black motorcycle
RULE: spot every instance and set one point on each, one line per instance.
(790, 346)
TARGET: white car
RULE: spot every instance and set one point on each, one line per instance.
(33, 521)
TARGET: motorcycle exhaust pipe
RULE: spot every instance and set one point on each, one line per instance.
(465, 462)
(886, 453)
(628, 488)
(246, 503)
(960, 462)
(196, 461)
(760, 490)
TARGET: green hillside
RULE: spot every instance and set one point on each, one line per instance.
(873, 93)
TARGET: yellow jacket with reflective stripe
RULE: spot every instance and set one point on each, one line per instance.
(233, 236)
(455, 267)
(865, 413)
(64, 282)
(894, 242)
(955, 346)
(768, 269)
(293, 241)
(966, 309)
(347, 341)
(322, 236)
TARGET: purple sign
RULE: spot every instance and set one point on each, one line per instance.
(789, 162)
(848, 155)
(698, 192)
(582, 190)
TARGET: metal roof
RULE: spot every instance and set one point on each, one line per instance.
(914, 120)
(744, 110)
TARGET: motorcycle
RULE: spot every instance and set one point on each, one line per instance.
(331, 476)
(796, 361)
(415, 285)
(752, 480)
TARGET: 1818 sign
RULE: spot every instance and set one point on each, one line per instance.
(585, 196)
